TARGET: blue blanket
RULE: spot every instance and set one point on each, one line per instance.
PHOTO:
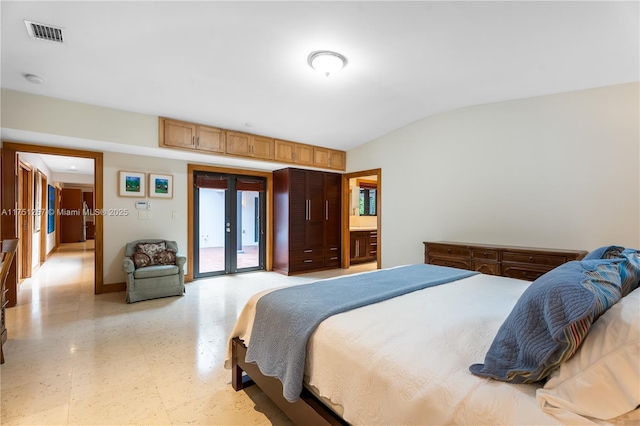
(286, 318)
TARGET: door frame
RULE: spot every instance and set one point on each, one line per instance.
(25, 229)
(43, 217)
(9, 168)
(346, 240)
(191, 168)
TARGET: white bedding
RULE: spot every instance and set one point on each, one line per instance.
(405, 360)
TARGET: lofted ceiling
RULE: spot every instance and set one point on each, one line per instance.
(243, 65)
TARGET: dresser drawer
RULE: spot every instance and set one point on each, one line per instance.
(534, 259)
(489, 268)
(332, 251)
(484, 254)
(522, 272)
(301, 257)
(452, 263)
(301, 264)
(448, 251)
(333, 261)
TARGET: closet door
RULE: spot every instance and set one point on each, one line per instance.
(332, 223)
(298, 209)
(314, 233)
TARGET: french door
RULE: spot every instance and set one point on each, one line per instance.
(229, 223)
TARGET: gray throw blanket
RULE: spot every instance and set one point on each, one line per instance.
(286, 318)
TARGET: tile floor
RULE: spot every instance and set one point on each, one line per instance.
(77, 358)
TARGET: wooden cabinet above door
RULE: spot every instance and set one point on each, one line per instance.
(330, 158)
(248, 145)
(293, 152)
(210, 139)
(178, 134)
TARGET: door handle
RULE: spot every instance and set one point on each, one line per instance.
(326, 209)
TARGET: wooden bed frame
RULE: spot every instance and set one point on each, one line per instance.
(307, 410)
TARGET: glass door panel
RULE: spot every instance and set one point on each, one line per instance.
(229, 224)
(249, 214)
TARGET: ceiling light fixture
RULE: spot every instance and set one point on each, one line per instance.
(326, 62)
(33, 79)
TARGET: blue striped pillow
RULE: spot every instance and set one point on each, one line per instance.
(550, 320)
(629, 268)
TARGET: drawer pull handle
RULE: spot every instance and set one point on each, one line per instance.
(334, 258)
(484, 254)
(532, 259)
(308, 251)
(308, 261)
(449, 251)
(333, 248)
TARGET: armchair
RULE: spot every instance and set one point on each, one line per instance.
(154, 269)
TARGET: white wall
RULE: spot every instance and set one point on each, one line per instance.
(55, 116)
(558, 171)
(118, 230)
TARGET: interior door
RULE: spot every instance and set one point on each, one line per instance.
(71, 226)
(229, 228)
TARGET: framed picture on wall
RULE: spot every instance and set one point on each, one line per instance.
(132, 184)
(160, 186)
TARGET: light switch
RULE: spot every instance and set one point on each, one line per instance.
(174, 215)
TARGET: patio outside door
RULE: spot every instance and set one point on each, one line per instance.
(229, 223)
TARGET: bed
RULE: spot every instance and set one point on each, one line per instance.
(406, 360)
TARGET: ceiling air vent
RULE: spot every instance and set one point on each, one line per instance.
(44, 32)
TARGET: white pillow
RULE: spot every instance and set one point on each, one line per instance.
(602, 380)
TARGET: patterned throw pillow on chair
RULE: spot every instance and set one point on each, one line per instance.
(166, 257)
(151, 249)
(140, 260)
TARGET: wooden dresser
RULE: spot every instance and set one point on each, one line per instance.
(525, 263)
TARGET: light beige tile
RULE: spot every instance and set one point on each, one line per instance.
(127, 404)
(54, 416)
(36, 396)
(90, 377)
(226, 407)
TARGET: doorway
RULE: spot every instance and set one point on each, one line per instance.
(10, 199)
(229, 223)
(367, 201)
